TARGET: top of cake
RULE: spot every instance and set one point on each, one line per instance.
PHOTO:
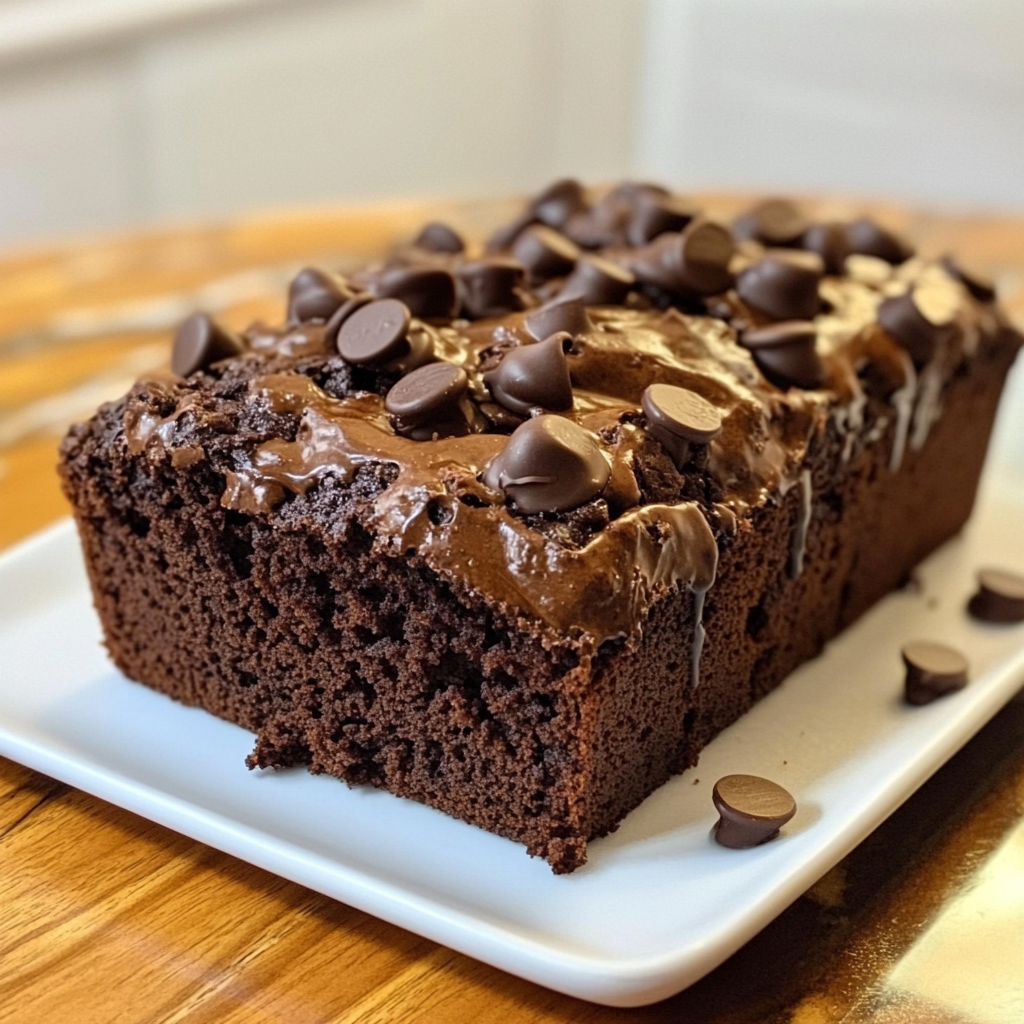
(568, 420)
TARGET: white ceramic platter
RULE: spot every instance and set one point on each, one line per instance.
(657, 906)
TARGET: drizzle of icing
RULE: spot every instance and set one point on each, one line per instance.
(903, 402)
(803, 520)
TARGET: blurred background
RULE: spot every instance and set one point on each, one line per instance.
(119, 112)
(158, 156)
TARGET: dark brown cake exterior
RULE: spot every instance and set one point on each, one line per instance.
(526, 586)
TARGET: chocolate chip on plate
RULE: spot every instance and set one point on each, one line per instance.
(428, 292)
(439, 237)
(427, 402)
(655, 214)
(868, 238)
(1000, 596)
(491, 286)
(829, 241)
(932, 670)
(920, 319)
(980, 286)
(772, 222)
(679, 418)
(751, 809)
(532, 377)
(549, 465)
(783, 287)
(375, 333)
(545, 252)
(200, 341)
(561, 314)
(596, 281)
(786, 353)
(315, 295)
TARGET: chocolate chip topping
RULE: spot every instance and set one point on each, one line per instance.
(561, 314)
(932, 671)
(786, 353)
(549, 465)
(598, 282)
(679, 418)
(491, 287)
(783, 287)
(315, 295)
(534, 377)
(829, 241)
(1000, 597)
(438, 237)
(654, 214)
(752, 810)
(427, 402)
(560, 201)
(342, 313)
(869, 238)
(428, 292)
(200, 341)
(376, 333)
(921, 319)
(773, 222)
(694, 261)
(980, 286)
(545, 252)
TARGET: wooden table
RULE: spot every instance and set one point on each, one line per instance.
(105, 917)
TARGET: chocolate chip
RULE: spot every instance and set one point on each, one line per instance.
(438, 237)
(772, 222)
(980, 286)
(342, 313)
(503, 238)
(786, 353)
(200, 341)
(1000, 597)
(597, 282)
(429, 292)
(655, 214)
(679, 418)
(427, 402)
(752, 810)
(315, 295)
(869, 238)
(549, 465)
(545, 252)
(533, 377)
(491, 287)
(783, 287)
(932, 671)
(829, 241)
(921, 319)
(558, 202)
(376, 333)
(560, 314)
(696, 260)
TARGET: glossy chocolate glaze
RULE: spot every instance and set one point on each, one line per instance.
(438, 509)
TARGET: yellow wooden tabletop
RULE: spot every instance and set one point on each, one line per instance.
(106, 917)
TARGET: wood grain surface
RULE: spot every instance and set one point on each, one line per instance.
(106, 917)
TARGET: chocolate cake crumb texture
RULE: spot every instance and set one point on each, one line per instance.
(516, 530)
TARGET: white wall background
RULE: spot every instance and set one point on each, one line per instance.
(114, 112)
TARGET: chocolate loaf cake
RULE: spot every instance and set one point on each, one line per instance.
(515, 530)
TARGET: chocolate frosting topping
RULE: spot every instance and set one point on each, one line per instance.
(529, 467)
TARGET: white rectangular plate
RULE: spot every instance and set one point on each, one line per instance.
(657, 906)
